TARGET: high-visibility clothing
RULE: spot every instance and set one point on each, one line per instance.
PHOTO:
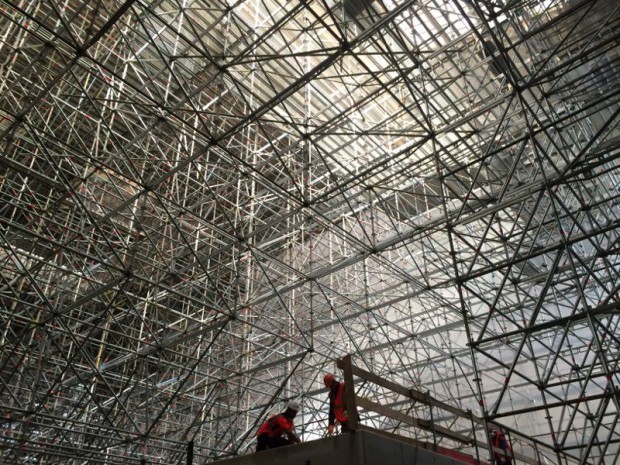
(337, 403)
(499, 440)
(275, 426)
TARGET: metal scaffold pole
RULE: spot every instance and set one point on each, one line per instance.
(204, 204)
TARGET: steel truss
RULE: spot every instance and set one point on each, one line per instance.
(205, 203)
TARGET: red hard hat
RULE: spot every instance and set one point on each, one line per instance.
(328, 379)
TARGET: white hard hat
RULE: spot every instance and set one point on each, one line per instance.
(293, 406)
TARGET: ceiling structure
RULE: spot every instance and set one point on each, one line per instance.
(205, 203)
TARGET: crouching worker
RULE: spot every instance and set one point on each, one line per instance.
(278, 431)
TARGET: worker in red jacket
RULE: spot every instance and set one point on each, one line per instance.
(499, 441)
(337, 404)
(278, 430)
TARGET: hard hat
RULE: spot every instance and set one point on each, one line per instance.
(328, 379)
(292, 405)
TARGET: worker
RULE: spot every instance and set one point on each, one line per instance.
(337, 405)
(499, 441)
(278, 430)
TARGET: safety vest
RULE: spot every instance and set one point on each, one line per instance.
(501, 442)
(340, 411)
(275, 426)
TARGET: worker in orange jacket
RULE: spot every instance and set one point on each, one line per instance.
(278, 430)
(337, 404)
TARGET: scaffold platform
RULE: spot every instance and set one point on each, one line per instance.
(362, 447)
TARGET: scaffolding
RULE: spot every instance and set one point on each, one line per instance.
(205, 203)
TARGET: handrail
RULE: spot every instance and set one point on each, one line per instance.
(353, 402)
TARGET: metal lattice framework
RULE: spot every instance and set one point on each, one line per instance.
(205, 203)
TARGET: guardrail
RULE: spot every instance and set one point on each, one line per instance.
(543, 453)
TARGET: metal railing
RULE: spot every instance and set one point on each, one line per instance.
(529, 451)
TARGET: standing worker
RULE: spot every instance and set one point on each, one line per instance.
(499, 441)
(337, 404)
(277, 431)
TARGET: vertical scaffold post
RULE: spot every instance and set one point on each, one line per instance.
(429, 402)
(473, 435)
(349, 392)
(190, 452)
